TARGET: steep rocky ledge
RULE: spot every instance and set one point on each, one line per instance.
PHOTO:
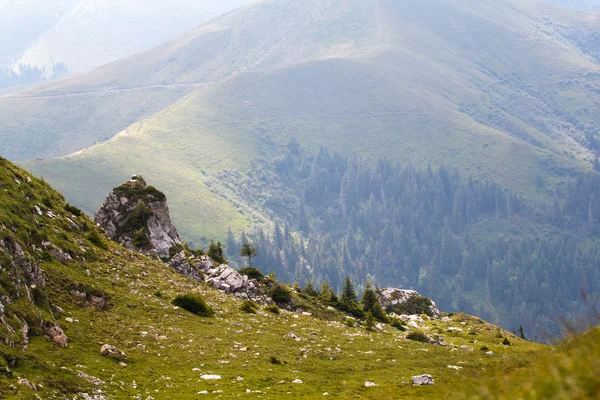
(137, 216)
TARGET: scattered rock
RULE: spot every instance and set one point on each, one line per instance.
(298, 381)
(454, 367)
(489, 353)
(28, 384)
(422, 380)
(370, 384)
(111, 351)
(466, 348)
(210, 377)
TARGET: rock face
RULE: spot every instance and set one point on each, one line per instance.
(137, 216)
(406, 302)
(221, 277)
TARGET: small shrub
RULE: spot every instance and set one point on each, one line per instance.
(275, 361)
(398, 324)
(194, 304)
(506, 342)
(272, 309)
(253, 273)
(157, 294)
(141, 240)
(281, 294)
(248, 306)
(484, 348)
(472, 333)
(418, 336)
(96, 239)
(73, 210)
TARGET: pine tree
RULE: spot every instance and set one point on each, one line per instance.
(372, 305)
(349, 299)
(248, 251)
(215, 252)
(310, 290)
(521, 333)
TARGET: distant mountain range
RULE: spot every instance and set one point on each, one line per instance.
(85, 34)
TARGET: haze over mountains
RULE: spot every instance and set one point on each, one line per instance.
(503, 90)
(86, 34)
(584, 5)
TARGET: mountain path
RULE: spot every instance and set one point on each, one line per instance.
(190, 85)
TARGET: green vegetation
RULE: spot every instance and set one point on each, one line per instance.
(248, 306)
(281, 294)
(253, 273)
(216, 251)
(418, 336)
(194, 304)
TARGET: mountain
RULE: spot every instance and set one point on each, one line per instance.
(85, 34)
(83, 317)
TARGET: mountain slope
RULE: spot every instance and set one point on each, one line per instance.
(474, 85)
(86, 34)
(90, 292)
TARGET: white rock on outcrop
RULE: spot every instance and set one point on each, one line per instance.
(390, 297)
(422, 380)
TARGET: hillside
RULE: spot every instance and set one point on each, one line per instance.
(86, 34)
(411, 78)
(66, 291)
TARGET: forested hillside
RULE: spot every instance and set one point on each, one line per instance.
(470, 244)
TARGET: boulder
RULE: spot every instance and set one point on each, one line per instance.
(57, 335)
(422, 380)
(27, 383)
(108, 350)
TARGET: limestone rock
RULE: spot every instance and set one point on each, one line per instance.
(137, 216)
(393, 297)
(422, 380)
(111, 351)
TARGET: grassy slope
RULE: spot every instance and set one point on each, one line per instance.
(336, 358)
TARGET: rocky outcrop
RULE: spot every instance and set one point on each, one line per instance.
(221, 277)
(137, 216)
(403, 301)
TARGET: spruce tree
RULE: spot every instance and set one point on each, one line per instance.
(371, 304)
(521, 333)
(310, 290)
(349, 299)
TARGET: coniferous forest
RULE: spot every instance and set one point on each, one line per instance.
(470, 245)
